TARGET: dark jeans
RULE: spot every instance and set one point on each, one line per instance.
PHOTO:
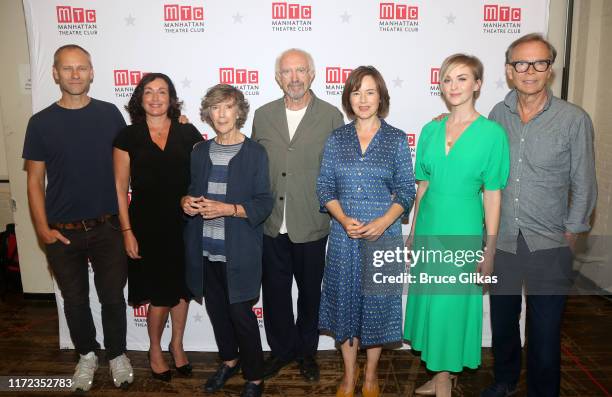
(103, 246)
(234, 324)
(546, 275)
(282, 261)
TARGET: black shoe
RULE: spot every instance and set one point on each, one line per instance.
(185, 370)
(217, 381)
(252, 390)
(272, 365)
(309, 368)
(499, 389)
(165, 376)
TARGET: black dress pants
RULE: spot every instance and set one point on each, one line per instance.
(546, 275)
(103, 246)
(284, 260)
(234, 324)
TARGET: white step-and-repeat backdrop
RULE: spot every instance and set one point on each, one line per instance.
(199, 43)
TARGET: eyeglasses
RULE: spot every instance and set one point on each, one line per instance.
(523, 66)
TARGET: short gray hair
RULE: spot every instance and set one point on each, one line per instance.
(220, 93)
(311, 65)
(527, 39)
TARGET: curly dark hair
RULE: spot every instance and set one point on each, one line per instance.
(134, 106)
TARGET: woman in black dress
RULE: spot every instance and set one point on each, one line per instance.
(152, 155)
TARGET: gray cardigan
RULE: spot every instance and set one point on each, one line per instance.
(294, 165)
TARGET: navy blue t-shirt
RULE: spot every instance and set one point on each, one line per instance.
(77, 148)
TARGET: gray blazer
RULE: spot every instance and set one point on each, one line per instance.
(294, 165)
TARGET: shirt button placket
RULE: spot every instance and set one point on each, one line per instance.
(519, 170)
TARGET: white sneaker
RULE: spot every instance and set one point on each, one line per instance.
(121, 371)
(84, 372)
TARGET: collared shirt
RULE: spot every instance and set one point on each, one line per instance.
(552, 187)
(366, 184)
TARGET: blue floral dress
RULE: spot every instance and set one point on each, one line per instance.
(366, 185)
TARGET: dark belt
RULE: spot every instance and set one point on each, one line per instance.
(85, 224)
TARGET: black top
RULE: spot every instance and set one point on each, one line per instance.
(153, 170)
(159, 178)
(77, 148)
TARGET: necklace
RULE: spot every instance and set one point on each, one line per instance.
(450, 141)
(160, 131)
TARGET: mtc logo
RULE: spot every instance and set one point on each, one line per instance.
(291, 11)
(238, 76)
(434, 75)
(398, 11)
(258, 312)
(493, 12)
(141, 311)
(126, 77)
(336, 75)
(67, 14)
(174, 12)
(411, 137)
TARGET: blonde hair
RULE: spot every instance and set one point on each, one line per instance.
(470, 61)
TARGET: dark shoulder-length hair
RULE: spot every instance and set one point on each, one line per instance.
(134, 106)
(353, 83)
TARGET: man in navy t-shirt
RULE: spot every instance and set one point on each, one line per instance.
(76, 215)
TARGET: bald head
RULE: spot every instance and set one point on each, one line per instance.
(69, 47)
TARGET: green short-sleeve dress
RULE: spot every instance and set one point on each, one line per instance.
(444, 315)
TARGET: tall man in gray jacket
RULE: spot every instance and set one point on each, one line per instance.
(293, 129)
(549, 199)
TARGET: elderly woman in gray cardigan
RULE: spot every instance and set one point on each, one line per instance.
(229, 199)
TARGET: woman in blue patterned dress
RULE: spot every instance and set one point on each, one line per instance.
(366, 183)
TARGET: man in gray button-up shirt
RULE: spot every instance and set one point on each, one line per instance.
(551, 191)
(548, 200)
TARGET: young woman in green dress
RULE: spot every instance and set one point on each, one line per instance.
(462, 163)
